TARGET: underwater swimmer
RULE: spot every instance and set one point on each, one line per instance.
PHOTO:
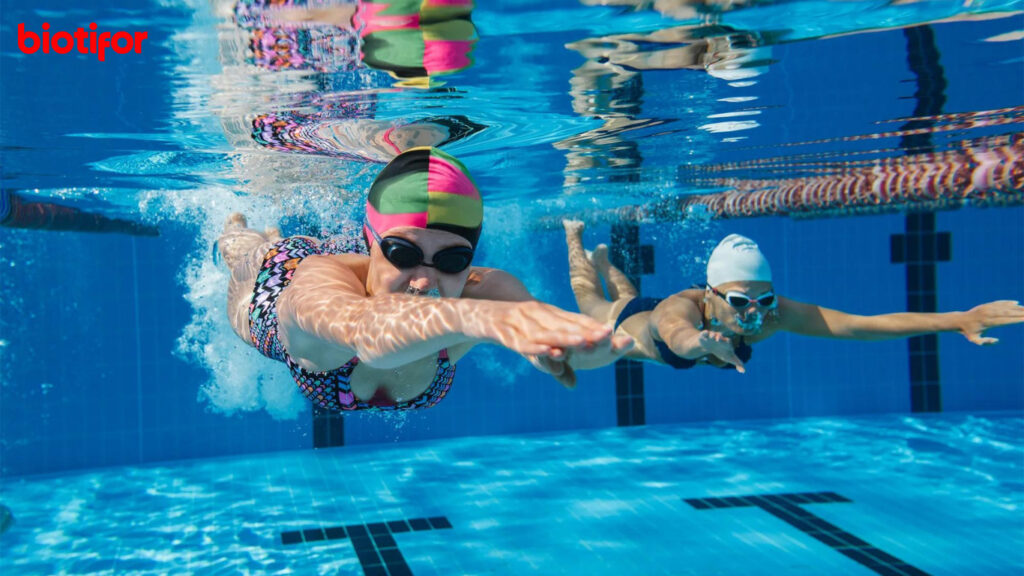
(355, 329)
(738, 307)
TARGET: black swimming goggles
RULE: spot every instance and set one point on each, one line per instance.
(739, 300)
(405, 255)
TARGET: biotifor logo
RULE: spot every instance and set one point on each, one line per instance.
(85, 41)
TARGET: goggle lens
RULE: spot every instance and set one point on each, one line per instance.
(739, 300)
(742, 300)
(404, 255)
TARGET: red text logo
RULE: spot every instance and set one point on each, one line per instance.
(85, 41)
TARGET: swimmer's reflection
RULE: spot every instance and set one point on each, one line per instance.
(16, 211)
(722, 51)
(680, 9)
(609, 86)
(333, 133)
(414, 41)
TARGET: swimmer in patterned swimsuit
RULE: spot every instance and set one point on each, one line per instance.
(737, 307)
(384, 330)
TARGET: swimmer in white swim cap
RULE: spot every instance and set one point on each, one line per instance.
(737, 307)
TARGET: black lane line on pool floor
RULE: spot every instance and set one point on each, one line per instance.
(375, 547)
(789, 509)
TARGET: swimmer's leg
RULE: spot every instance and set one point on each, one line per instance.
(619, 285)
(586, 284)
(242, 249)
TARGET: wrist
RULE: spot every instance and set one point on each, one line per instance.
(959, 322)
(476, 318)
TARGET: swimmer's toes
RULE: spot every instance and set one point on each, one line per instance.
(573, 226)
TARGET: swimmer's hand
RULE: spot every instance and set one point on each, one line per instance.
(562, 364)
(980, 318)
(560, 370)
(720, 346)
(533, 328)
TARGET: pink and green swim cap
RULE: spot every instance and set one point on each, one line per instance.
(425, 188)
(416, 40)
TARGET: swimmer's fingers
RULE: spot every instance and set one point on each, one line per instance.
(731, 358)
(558, 369)
(980, 339)
(1002, 312)
(622, 343)
(993, 314)
(721, 348)
(557, 323)
(537, 328)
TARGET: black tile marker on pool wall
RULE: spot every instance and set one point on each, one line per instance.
(790, 509)
(328, 428)
(374, 544)
(919, 247)
(634, 260)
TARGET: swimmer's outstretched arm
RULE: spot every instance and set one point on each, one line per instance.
(675, 321)
(326, 317)
(494, 284)
(813, 320)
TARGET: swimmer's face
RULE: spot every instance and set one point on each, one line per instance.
(418, 134)
(386, 278)
(745, 320)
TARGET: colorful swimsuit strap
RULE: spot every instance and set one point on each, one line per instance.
(331, 389)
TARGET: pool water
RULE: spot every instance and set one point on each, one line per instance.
(894, 495)
(139, 435)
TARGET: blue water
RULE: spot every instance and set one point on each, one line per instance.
(941, 494)
(138, 434)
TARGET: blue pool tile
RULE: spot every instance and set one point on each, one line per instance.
(397, 526)
(419, 524)
(313, 535)
(384, 541)
(439, 522)
(335, 532)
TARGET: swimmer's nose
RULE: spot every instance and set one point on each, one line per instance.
(423, 279)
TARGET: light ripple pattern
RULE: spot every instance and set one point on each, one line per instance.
(940, 492)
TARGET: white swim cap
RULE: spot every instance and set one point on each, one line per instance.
(737, 66)
(737, 259)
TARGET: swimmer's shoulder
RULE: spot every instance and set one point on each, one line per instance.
(345, 267)
(694, 295)
(494, 284)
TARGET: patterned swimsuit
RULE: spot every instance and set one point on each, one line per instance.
(331, 389)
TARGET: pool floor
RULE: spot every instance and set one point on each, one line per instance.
(883, 495)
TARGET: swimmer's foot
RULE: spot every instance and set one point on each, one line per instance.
(236, 241)
(599, 257)
(574, 227)
(273, 233)
(235, 221)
